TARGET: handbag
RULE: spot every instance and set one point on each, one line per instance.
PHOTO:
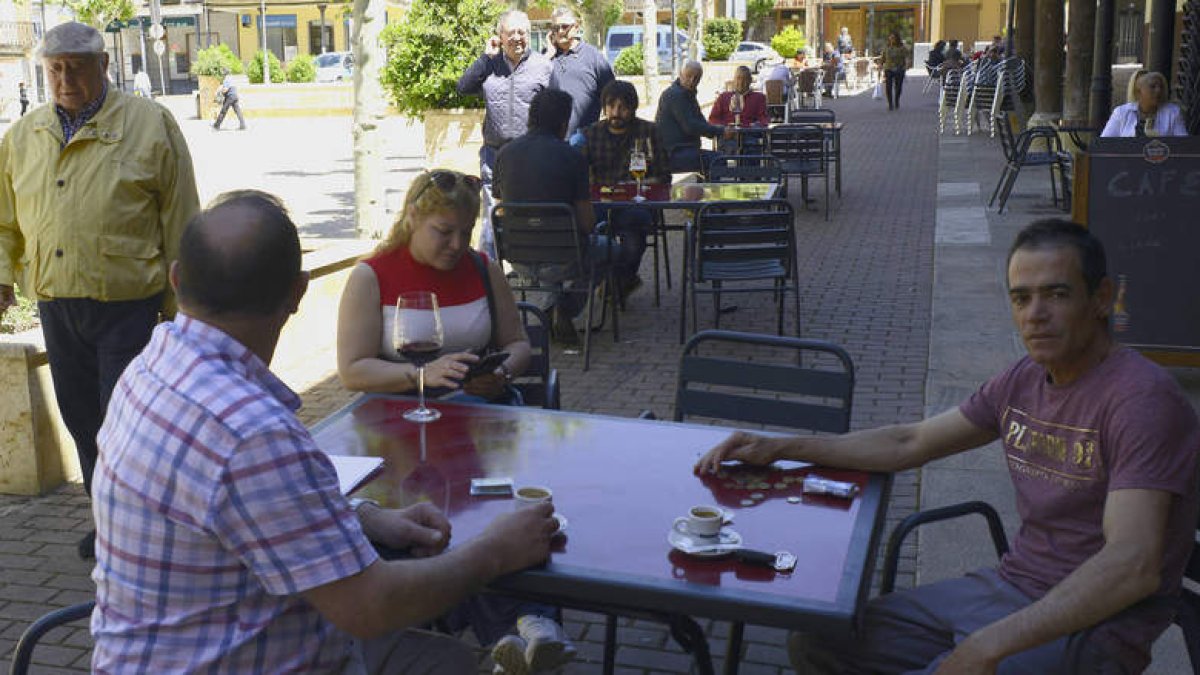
(877, 93)
(219, 97)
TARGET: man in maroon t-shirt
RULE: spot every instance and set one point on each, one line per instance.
(1102, 447)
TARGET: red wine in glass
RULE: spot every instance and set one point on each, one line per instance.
(421, 353)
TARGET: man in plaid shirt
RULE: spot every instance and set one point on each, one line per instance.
(223, 541)
(607, 146)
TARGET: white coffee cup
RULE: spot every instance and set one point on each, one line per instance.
(701, 521)
(528, 495)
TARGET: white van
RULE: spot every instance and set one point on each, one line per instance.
(620, 37)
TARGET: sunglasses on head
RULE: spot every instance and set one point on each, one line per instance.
(446, 180)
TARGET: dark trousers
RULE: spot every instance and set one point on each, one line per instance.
(894, 80)
(89, 343)
(230, 102)
(630, 226)
(689, 158)
(24, 106)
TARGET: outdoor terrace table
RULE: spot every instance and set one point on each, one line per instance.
(621, 482)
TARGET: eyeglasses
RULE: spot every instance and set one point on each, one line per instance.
(563, 27)
(446, 180)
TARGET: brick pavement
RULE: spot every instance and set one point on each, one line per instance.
(867, 276)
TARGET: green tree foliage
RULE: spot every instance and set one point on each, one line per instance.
(301, 69)
(721, 37)
(788, 41)
(99, 13)
(429, 50)
(757, 12)
(216, 61)
(254, 69)
(629, 61)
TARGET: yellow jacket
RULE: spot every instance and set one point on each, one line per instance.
(100, 218)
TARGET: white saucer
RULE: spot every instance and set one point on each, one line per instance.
(562, 523)
(681, 542)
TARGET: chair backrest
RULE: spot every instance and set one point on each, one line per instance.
(811, 389)
(798, 144)
(23, 653)
(774, 92)
(808, 80)
(811, 116)
(1008, 142)
(744, 169)
(733, 239)
(861, 67)
(535, 233)
(537, 328)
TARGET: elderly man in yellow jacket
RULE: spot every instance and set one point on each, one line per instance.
(94, 192)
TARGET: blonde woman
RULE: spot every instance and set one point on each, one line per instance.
(428, 249)
(1147, 113)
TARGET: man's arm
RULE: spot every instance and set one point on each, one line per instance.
(1126, 570)
(11, 241)
(692, 121)
(472, 79)
(178, 198)
(892, 448)
(396, 594)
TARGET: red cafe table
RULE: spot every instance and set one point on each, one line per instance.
(621, 483)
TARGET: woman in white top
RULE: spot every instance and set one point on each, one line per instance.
(1147, 113)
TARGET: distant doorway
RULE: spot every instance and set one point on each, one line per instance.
(887, 21)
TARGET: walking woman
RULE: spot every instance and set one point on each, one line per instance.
(895, 62)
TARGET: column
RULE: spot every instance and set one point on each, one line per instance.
(1100, 101)
(1048, 62)
(1162, 37)
(1080, 39)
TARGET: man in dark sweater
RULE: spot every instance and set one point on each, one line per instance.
(578, 69)
(681, 124)
(541, 167)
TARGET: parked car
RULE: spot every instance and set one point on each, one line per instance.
(620, 37)
(335, 66)
(757, 53)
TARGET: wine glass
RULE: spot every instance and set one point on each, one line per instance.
(736, 105)
(637, 169)
(417, 336)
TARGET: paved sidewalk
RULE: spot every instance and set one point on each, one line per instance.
(923, 317)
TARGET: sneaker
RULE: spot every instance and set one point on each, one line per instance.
(547, 644)
(509, 655)
(563, 329)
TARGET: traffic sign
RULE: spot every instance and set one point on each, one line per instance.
(159, 47)
(157, 31)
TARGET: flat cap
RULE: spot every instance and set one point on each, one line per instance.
(71, 38)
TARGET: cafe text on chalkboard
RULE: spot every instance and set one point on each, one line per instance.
(1144, 204)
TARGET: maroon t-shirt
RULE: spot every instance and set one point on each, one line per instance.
(1125, 424)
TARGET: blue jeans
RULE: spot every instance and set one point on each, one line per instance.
(597, 253)
(487, 238)
(630, 225)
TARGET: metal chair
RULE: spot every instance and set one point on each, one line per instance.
(833, 150)
(744, 169)
(810, 85)
(801, 150)
(1018, 154)
(776, 93)
(23, 654)
(948, 97)
(734, 247)
(781, 392)
(539, 382)
(547, 250)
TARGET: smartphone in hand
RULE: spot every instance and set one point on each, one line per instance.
(486, 364)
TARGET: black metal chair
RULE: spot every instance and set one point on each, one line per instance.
(547, 250)
(801, 150)
(23, 654)
(744, 169)
(833, 139)
(1187, 615)
(1018, 154)
(539, 382)
(733, 247)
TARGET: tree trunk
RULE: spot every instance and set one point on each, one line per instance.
(1080, 42)
(369, 111)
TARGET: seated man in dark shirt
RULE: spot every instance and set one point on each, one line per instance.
(607, 146)
(541, 167)
(682, 125)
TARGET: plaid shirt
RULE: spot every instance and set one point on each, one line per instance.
(607, 154)
(71, 126)
(214, 510)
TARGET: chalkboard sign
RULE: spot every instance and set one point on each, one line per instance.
(1144, 204)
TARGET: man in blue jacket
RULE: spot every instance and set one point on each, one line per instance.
(681, 124)
(508, 75)
(578, 69)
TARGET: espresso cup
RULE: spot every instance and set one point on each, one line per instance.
(528, 495)
(701, 521)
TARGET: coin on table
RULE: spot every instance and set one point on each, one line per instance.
(747, 502)
(793, 500)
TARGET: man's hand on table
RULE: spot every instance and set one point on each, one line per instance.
(521, 538)
(7, 299)
(741, 446)
(421, 528)
(730, 133)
